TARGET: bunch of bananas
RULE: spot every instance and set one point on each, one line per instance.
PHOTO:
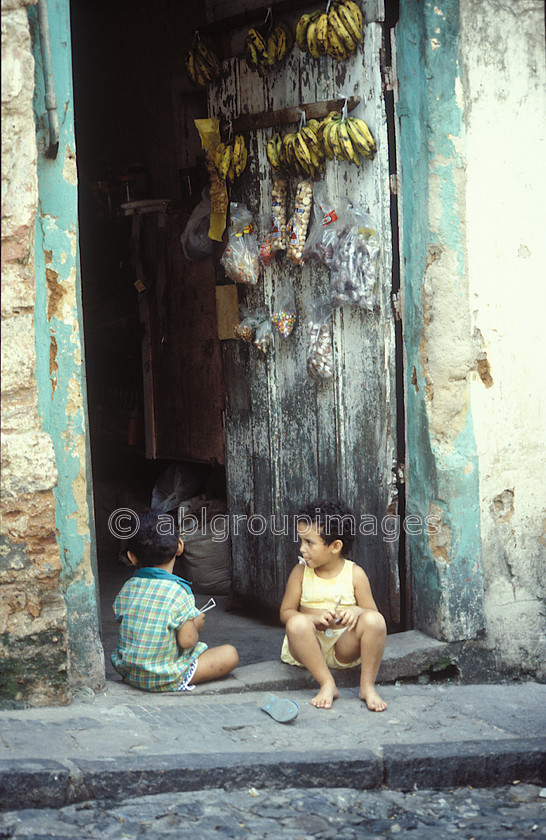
(298, 152)
(346, 138)
(337, 32)
(202, 65)
(265, 51)
(230, 158)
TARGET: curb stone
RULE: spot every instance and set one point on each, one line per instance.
(45, 783)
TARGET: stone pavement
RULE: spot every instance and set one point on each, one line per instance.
(513, 812)
(123, 742)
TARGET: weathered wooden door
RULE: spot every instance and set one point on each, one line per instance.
(288, 439)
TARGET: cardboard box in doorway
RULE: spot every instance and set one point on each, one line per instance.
(227, 311)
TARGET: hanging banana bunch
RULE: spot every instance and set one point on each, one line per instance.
(298, 153)
(346, 138)
(336, 32)
(230, 158)
(202, 64)
(266, 49)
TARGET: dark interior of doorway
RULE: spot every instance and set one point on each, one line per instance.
(127, 58)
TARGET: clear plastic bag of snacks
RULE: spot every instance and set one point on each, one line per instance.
(241, 258)
(355, 264)
(329, 220)
(320, 357)
(284, 315)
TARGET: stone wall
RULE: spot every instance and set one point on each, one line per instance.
(504, 84)
(33, 617)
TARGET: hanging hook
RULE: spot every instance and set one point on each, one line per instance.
(269, 17)
(303, 119)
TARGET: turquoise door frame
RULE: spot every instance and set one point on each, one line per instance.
(442, 477)
(60, 370)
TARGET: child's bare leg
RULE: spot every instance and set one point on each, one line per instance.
(214, 663)
(305, 647)
(368, 639)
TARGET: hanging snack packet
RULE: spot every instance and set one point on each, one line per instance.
(264, 334)
(284, 316)
(278, 214)
(320, 358)
(328, 219)
(297, 227)
(240, 258)
(354, 269)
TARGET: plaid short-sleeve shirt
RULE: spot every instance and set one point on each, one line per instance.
(147, 654)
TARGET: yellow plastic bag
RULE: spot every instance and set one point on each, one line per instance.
(209, 132)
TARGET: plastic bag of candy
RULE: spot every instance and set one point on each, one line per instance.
(284, 316)
(240, 258)
(355, 264)
(320, 357)
(329, 222)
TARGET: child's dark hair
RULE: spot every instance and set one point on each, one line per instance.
(335, 520)
(156, 540)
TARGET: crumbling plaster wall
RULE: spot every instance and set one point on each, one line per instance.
(49, 630)
(504, 75)
(33, 642)
(471, 110)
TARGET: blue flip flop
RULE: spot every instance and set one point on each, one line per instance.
(280, 710)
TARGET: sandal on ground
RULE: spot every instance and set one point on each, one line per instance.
(280, 710)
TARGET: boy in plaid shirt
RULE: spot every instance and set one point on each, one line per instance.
(158, 646)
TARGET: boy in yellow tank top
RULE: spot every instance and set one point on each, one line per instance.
(328, 609)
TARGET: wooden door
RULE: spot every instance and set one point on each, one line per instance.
(288, 439)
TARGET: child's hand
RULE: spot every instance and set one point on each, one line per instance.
(325, 619)
(348, 617)
(199, 622)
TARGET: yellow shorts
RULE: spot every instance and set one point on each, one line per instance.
(327, 646)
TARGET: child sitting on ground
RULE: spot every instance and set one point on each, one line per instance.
(158, 647)
(330, 615)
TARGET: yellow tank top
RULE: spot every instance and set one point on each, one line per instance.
(324, 593)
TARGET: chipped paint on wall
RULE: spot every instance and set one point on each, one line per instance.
(441, 354)
(59, 369)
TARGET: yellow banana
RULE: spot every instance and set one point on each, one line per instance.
(272, 152)
(238, 146)
(354, 9)
(346, 145)
(301, 32)
(336, 48)
(350, 23)
(312, 42)
(281, 43)
(190, 66)
(203, 68)
(209, 58)
(358, 137)
(225, 162)
(368, 136)
(242, 163)
(322, 34)
(301, 150)
(335, 23)
(331, 139)
(258, 41)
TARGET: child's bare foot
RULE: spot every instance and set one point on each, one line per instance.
(372, 699)
(326, 696)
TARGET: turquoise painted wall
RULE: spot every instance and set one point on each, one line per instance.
(447, 596)
(59, 350)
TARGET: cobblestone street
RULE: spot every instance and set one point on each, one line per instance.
(514, 812)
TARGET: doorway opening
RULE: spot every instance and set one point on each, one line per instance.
(155, 366)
